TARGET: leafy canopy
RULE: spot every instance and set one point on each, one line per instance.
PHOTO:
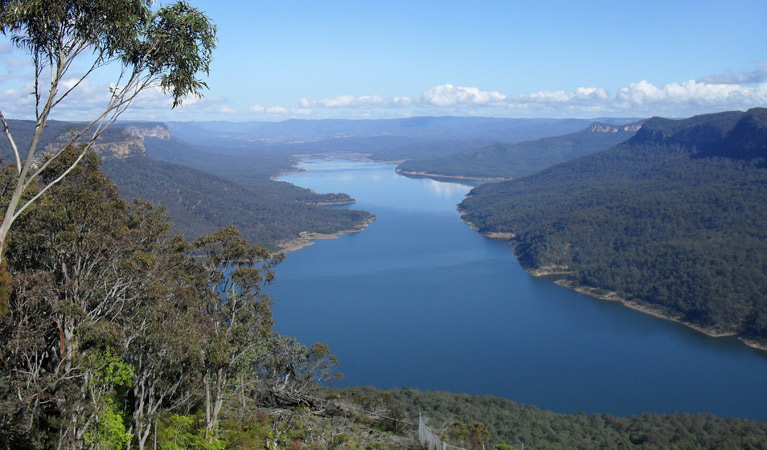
(173, 44)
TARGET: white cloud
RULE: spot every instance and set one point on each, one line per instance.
(590, 93)
(689, 96)
(640, 93)
(641, 98)
(350, 101)
(277, 110)
(719, 92)
(339, 102)
(280, 110)
(758, 75)
(447, 95)
(546, 97)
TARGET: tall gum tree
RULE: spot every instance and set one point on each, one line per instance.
(170, 47)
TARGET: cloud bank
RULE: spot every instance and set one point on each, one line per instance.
(756, 76)
(713, 93)
(641, 98)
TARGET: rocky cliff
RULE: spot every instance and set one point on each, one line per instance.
(598, 127)
(118, 142)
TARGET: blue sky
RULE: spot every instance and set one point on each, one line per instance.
(382, 59)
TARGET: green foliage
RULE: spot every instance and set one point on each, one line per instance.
(178, 432)
(526, 425)
(111, 433)
(667, 220)
(505, 447)
(114, 325)
(32, 25)
(478, 435)
(170, 46)
(291, 371)
(112, 369)
(251, 433)
(173, 44)
(180, 41)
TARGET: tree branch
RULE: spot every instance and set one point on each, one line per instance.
(7, 131)
(117, 106)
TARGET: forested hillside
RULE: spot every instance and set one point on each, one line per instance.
(504, 424)
(505, 161)
(116, 333)
(674, 220)
(203, 190)
(200, 203)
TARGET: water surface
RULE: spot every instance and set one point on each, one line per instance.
(419, 299)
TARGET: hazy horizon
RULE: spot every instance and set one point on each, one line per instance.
(396, 59)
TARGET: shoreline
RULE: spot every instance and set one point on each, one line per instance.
(487, 234)
(645, 309)
(338, 203)
(497, 235)
(306, 239)
(453, 177)
(613, 296)
(299, 158)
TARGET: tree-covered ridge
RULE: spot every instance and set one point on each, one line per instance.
(204, 191)
(200, 202)
(116, 331)
(505, 161)
(667, 220)
(512, 425)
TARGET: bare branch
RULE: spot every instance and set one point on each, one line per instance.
(48, 186)
(7, 131)
(120, 102)
(65, 69)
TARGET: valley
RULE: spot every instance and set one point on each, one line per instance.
(584, 210)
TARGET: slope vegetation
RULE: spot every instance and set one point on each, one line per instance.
(200, 202)
(205, 190)
(499, 161)
(673, 221)
(513, 425)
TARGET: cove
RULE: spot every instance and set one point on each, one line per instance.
(419, 299)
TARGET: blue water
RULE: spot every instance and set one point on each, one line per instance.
(419, 299)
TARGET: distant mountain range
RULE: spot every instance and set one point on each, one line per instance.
(673, 221)
(506, 161)
(412, 129)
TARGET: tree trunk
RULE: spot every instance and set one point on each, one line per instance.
(213, 405)
(208, 406)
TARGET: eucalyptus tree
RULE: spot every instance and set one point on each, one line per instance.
(170, 47)
(85, 267)
(105, 317)
(238, 319)
(289, 371)
(60, 332)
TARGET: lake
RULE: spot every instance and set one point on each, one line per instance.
(418, 299)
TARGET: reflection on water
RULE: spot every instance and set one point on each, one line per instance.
(443, 189)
